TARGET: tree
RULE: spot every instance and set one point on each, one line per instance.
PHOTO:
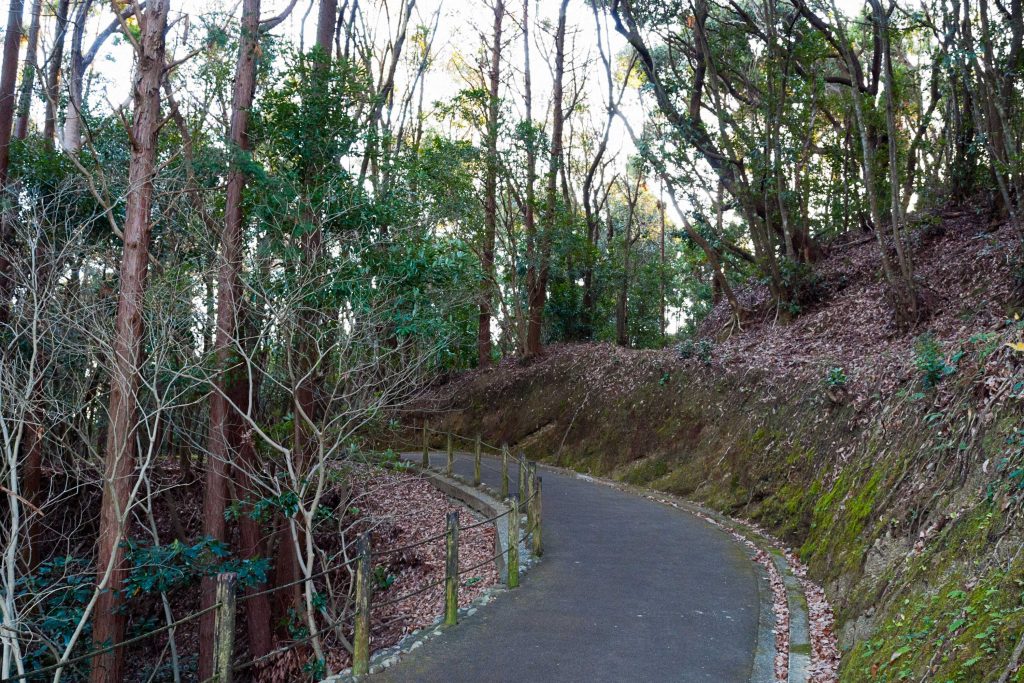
(118, 478)
(56, 64)
(490, 194)
(8, 76)
(539, 266)
(28, 74)
(224, 435)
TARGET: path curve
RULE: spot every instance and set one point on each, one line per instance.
(627, 590)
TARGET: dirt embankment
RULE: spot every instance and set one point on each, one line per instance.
(901, 487)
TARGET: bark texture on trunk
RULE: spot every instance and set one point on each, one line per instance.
(539, 285)
(223, 446)
(287, 569)
(53, 75)
(28, 73)
(8, 77)
(529, 215)
(119, 474)
(483, 342)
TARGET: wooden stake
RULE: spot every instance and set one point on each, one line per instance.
(512, 581)
(450, 465)
(425, 462)
(364, 591)
(531, 479)
(504, 472)
(224, 629)
(451, 570)
(522, 476)
(538, 546)
(476, 462)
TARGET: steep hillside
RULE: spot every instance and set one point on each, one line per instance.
(893, 461)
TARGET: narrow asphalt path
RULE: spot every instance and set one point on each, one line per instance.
(627, 590)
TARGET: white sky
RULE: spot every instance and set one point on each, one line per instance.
(463, 29)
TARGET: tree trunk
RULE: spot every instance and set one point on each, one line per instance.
(483, 342)
(622, 305)
(110, 618)
(223, 448)
(305, 398)
(53, 75)
(28, 74)
(71, 138)
(529, 215)
(896, 207)
(662, 285)
(539, 286)
(871, 190)
(8, 76)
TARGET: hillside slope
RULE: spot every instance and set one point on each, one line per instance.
(902, 495)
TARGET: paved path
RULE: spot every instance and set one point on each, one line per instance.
(627, 590)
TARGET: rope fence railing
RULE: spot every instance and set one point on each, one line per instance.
(78, 659)
(527, 498)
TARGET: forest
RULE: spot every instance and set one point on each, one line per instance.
(241, 241)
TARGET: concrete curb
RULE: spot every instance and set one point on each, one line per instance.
(484, 501)
(481, 501)
(799, 633)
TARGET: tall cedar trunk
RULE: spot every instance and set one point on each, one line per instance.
(287, 569)
(529, 214)
(896, 207)
(590, 210)
(538, 288)
(622, 304)
(662, 285)
(32, 468)
(223, 448)
(483, 341)
(71, 138)
(8, 76)
(53, 75)
(28, 74)
(32, 445)
(110, 618)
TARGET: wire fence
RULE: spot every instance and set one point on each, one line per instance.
(224, 611)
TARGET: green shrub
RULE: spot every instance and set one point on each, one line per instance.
(801, 283)
(160, 569)
(63, 587)
(835, 378)
(701, 349)
(930, 361)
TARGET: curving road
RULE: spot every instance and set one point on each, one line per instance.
(627, 590)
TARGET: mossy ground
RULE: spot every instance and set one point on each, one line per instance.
(854, 489)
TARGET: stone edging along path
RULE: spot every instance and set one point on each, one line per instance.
(485, 502)
(783, 654)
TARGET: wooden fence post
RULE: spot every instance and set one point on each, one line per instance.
(522, 476)
(425, 462)
(451, 570)
(504, 472)
(512, 581)
(224, 627)
(538, 546)
(364, 589)
(476, 463)
(450, 465)
(531, 480)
